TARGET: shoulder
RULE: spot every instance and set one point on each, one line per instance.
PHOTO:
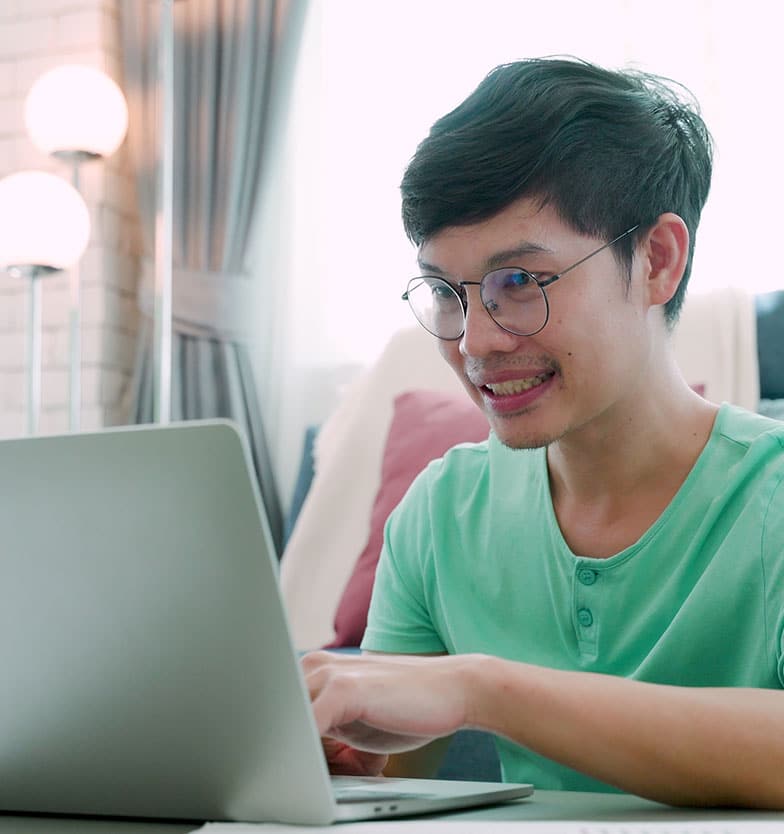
(754, 458)
(746, 429)
(746, 449)
(468, 476)
(442, 480)
(469, 468)
(471, 487)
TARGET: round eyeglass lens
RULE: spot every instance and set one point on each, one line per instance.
(437, 306)
(515, 300)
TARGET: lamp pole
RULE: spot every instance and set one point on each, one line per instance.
(33, 273)
(75, 159)
(46, 227)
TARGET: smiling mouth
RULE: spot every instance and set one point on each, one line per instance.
(517, 386)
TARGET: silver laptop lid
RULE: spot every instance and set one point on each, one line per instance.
(140, 622)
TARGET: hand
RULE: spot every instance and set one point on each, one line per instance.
(382, 705)
(346, 761)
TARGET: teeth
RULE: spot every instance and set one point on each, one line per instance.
(517, 386)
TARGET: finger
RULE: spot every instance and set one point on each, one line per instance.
(329, 693)
(332, 700)
(316, 659)
(344, 760)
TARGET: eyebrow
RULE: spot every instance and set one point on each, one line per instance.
(504, 257)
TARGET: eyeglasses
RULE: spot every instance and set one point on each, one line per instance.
(513, 297)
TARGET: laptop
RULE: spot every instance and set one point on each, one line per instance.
(147, 665)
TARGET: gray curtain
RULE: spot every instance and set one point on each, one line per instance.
(233, 62)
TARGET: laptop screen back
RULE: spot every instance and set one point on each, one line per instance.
(147, 669)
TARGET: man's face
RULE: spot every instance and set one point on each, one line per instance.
(585, 368)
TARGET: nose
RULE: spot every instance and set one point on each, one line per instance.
(482, 336)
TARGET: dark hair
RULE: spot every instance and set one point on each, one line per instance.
(607, 149)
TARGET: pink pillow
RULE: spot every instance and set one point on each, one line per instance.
(425, 424)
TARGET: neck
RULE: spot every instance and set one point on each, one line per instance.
(652, 438)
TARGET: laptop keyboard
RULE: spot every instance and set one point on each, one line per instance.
(363, 793)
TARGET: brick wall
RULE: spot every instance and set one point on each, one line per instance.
(35, 36)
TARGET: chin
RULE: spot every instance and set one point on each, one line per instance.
(520, 438)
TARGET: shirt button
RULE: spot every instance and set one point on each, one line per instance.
(587, 576)
(584, 617)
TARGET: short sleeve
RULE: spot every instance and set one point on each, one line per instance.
(773, 565)
(399, 620)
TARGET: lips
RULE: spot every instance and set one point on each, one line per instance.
(516, 393)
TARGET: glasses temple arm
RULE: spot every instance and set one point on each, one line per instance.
(590, 255)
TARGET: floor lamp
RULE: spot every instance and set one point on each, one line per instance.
(76, 114)
(45, 228)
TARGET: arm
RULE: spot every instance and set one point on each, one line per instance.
(680, 745)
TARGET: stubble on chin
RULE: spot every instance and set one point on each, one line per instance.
(520, 438)
(525, 442)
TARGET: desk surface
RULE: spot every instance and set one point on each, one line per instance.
(542, 806)
(604, 807)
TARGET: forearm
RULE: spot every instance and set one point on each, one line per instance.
(680, 745)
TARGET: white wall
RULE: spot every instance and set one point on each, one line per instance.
(36, 35)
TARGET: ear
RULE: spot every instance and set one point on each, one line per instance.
(665, 252)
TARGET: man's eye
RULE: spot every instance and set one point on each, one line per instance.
(441, 292)
(516, 279)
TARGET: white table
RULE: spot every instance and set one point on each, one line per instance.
(542, 806)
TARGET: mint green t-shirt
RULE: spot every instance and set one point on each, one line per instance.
(474, 561)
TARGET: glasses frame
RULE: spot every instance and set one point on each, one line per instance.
(541, 284)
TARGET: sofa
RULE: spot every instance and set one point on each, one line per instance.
(409, 407)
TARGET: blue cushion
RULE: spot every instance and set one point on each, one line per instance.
(304, 480)
(770, 343)
(472, 755)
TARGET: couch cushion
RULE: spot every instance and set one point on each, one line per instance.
(425, 424)
(333, 525)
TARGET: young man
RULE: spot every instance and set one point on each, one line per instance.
(606, 573)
